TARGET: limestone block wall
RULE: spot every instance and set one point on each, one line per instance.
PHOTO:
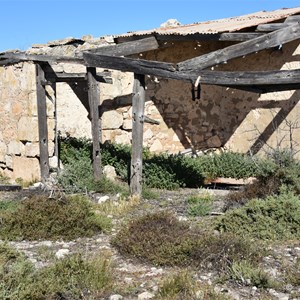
(19, 147)
(221, 118)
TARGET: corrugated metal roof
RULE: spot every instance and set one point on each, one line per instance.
(222, 25)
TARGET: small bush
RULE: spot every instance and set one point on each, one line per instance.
(43, 218)
(163, 240)
(105, 185)
(77, 175)
(276, 217)
(199, 205)
(182, 286)
(178, 286)
(75, 278)
(16, 274)
(70, 278)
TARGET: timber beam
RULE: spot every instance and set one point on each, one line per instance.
(75, 77)
(168, 70)
(129, 48)
(225, 36)
(265, 41)
(139, 66)
(22, 56)
(261, 89)
(291, 20)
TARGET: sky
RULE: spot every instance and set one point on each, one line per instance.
(27, 22)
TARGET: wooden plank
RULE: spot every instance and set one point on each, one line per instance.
(8, 62)
(42, 123)
(10, 187)
(138, 66)
(22, 56)
(128, 48)
(266, 41)
(94, 98)
(138, 106)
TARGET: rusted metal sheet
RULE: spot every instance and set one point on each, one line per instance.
(222, 25)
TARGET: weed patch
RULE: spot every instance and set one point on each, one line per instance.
(43, 218)
(199, 205)
(183, 286)
(245, 273)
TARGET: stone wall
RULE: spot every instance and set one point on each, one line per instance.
(222, 118)
(19, 147)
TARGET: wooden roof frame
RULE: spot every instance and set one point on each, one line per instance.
(191, 70)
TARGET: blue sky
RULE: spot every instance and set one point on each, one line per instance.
(27, 22)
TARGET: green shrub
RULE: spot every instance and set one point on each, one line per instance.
(156, 176)
(163, 171)
(107, 186)
(77, 176)
(199, 205)
(276, 217)
(75, 278)
(16, 274)
(9, 205)
(43, 218)
(163, 240)
(117, 156)
(70, 278)
(229, 164)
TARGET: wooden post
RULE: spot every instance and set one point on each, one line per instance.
(94, 96)
(42, 122)
(138, 106)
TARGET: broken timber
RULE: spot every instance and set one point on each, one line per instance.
(42, 122)
(266, 41)
(138, 106)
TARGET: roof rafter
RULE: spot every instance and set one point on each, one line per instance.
(129, 48)
(265, 41)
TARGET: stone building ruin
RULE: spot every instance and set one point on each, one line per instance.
(225, 84)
